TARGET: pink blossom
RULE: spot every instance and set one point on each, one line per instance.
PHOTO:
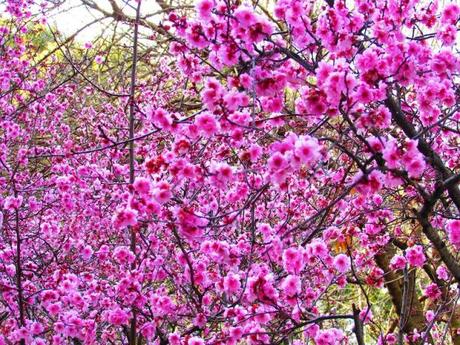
(453, 230)
(196, 37)
(54, 308)
(429, 315)
(255, 152)
(442, 273)
(148, 330)
(212, 93)
(12, 202)
(413, 160)
(162, 193)
(398, 262)
(447, 35)
(160, 118)
(229, 56)
(277, 162)
(263, 146)
(291, 285)
(195, 341)
(450, 13)
(245, 16)
(87, 252)
(342, 263)
(125, 217)
(319, 249)
(366, 315)
(307, 149)
(207, 124)
(232, 283)
(190, 225)
(174, 339)
(391, 154)
(293, 260)
(123, 255)
(331, 336)
(118, 317)
(204, 8)
(432, 291)
(222, 174)
(142, 185)
(415, 256)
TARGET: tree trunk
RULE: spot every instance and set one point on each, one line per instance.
(394, 283)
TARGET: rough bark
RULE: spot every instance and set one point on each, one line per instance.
(394, 284)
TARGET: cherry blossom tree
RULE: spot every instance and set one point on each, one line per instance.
(238, 173)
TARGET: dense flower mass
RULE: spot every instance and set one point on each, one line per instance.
(240, 173)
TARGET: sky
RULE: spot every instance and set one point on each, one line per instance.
(72, 15)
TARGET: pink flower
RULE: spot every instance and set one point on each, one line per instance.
(199, 320)
(160, 118)
(207, 124)
(319, 249)
(389, 339)
(12, 203)
(87, 252)
(229, 56)
(255, 151)
(222, 174)
(291, 285)
(415, 256)
(142, 185)
(342, 263)
(447, 35)
(204, 8)
(162, 193)
(195, 341)
(118, 317)
(331, 336)
(174, 339)
(212, 93)
(245, 16)
(236, 333)
(196, 37)
(442, 273)
(450, 14)
(432, 291)
(293, 260)
(453, 230)
(277, 162)
(398, 262)
(54, 309)
(125, 217)
(416, 167)
(152, 207)
(379, 118)
(148, 330)
(232, 283)
(364, 94)
(366, 315)
(190, 225)
(123, 255)
(261, 288)
(307, 149)
(391, 154)
(429, 315)
(413, 160)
